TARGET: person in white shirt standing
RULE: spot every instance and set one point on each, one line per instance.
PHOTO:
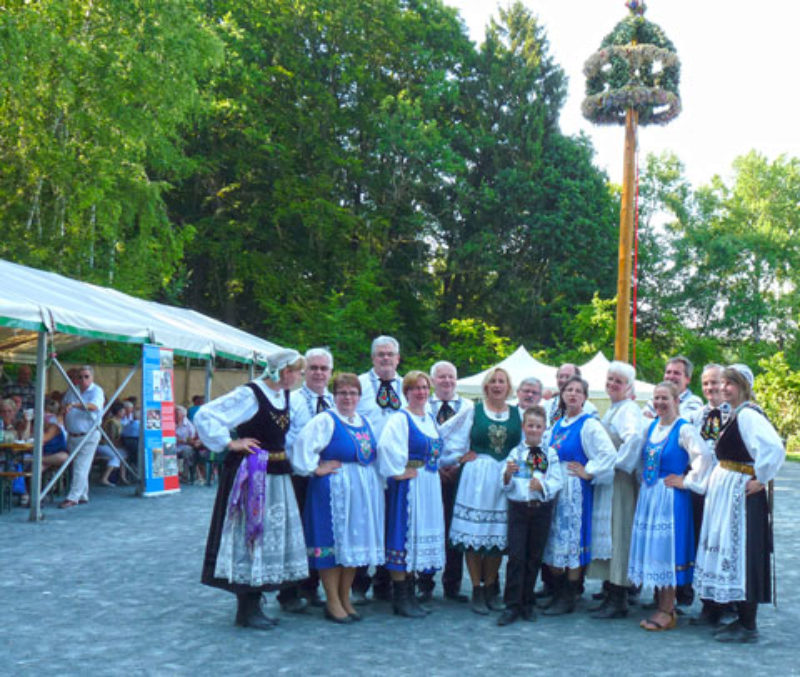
(312, 398)
(381, 397)
(82, 416)
(624, 424)
(453, 416)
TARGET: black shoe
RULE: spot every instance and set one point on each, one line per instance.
(382, 594)
(402, 592)
(704, 620)
(529, 613)
(356, 617)
(736, 633)
(424, 596)
(479, 605)
(495, 602)
(249, 614)
(313, 598)
(455, 597)
(508, 616)
(344, 620)
(616, 604)
(295, 605)
(564, 600)
(358, 598)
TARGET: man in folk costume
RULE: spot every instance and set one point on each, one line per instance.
(381, 397)
(709, 422)
(624, 424)
(312, 398)
(255, 541)
(453, 416)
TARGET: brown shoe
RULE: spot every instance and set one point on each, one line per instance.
(66, 503)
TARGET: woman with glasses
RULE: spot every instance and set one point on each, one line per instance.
(343, 516)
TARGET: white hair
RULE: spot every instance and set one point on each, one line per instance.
(385, 340)
(623, 369)
(319, 352)
(442, 363)
(530, 381)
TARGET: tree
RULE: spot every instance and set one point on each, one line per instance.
(90, 136)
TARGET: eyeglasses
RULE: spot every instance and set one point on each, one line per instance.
(315, 367)
(84, 376)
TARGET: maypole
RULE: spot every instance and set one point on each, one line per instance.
(632, 80)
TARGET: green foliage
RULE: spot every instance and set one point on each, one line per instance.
(90, 135)
(777, 390)
(472, 345)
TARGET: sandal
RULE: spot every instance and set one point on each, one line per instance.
(652, 625)
(66, 503)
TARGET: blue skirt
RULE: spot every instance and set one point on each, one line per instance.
(662, 543)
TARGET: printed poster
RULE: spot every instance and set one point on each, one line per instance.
(158, 413)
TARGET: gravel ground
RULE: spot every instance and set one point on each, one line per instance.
(112, 588)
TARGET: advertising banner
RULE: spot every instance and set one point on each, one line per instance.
(160, 470)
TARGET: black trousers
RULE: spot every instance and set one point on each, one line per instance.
(454, 558)
(308, 585)
(528, 528)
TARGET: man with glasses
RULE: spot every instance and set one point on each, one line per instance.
(381, 397)
(311, 399)
(81, 416)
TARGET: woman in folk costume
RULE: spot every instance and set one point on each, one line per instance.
(408, 454)
(587, 456)
(662, 542)
(624, 422)
(480, 515)
(733, 557)
(255, 542)
(344, 511)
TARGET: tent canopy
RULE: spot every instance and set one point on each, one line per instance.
(521, 364)
(75, 313)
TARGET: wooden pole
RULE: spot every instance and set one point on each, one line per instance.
(622, 340)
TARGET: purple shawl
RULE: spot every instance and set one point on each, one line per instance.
(247, 494)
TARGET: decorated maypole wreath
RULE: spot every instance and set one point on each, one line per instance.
(631, 80)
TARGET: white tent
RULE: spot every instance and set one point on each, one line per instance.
(595, 370)
(520, 364)
(41, 311)
(74, 312)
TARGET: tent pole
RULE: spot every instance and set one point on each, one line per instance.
(209, 377)
(38, 428)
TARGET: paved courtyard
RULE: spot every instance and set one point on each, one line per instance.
(111, 588)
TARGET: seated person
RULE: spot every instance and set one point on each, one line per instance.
(130, 435)
(113, 428)
(189, 446)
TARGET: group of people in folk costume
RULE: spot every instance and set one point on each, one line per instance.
(404, 477)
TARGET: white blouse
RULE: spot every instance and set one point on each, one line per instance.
(393, 444)
(598, 447)
(701, 459)
(215, 420)
(314, 439)
(626, 420)
(763, 443)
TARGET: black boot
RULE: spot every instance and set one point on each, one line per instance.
(402, 592)
(556, 588)
(479, 600)
(617, 606)
(565, 602)
(493, 599)
(249, 614)
(416, 602)
(601, 599)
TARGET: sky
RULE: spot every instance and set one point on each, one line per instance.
(739, 74)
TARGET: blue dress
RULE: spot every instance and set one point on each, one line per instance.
(570, 541)
(343, 517)
(662, 542)
(414, 510)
